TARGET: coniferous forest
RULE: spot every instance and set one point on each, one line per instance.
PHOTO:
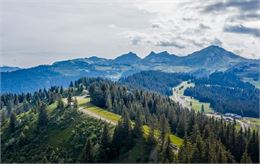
(47, 126)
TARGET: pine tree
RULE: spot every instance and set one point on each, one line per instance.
(61, 90)
(185, 151)
(138, 128)
(104, 149)
(12, 122)
(108, 102)
(87, 154)
(253, 147)
(71, 84)
(9, 107)
(43, 118)
(202, 109)
(151, 138)
(164, 129)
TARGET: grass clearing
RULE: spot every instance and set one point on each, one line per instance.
(115, 118)
(174, 139)
(101, 112)
(190, 101)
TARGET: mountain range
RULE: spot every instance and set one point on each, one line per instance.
(199, 63)
(8, 69)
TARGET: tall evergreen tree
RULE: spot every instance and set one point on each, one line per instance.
(138, 128)
(164, 129)
(185, 151)
(202, 109)
(87, 154)
(43, 117)
(104, 150)
(12, 122)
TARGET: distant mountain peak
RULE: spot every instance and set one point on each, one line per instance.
(128, 58)
(216, 51)
(160, 57)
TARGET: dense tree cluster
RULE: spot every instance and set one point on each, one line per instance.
(227, 94)
(83, 139)
(225, 79)
(157, 81)
(151, 107)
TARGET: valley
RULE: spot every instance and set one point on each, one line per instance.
(194, 104)
(188, 101)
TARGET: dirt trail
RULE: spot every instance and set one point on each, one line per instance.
(92, 114)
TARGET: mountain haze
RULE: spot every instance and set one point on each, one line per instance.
(203, 62)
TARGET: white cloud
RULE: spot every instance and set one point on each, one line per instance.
(41, 32)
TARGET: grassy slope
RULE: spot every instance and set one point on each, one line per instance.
(115, 118)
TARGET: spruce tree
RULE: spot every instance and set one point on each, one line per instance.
(164, 129)
(185, 151)
(104, 150)
(12, 122)
(151, 138)
(138, 128)
(71, 84)
(43, 118)
(87, 154)
(202, 109)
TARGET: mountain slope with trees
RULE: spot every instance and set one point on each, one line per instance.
(47, 119)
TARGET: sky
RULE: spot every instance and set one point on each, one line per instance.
(35, 32)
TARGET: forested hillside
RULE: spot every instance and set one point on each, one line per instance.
(227, 94)
(157, 81)
(47, 126)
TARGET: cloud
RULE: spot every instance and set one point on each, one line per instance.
(155, 26)
(246, 16)
(112, 26)
(74, 28)
(136, 40)
(243, 6)
(202, 26)
(170, 44)
(242, 30)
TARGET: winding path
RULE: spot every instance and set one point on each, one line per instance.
(92, 114)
